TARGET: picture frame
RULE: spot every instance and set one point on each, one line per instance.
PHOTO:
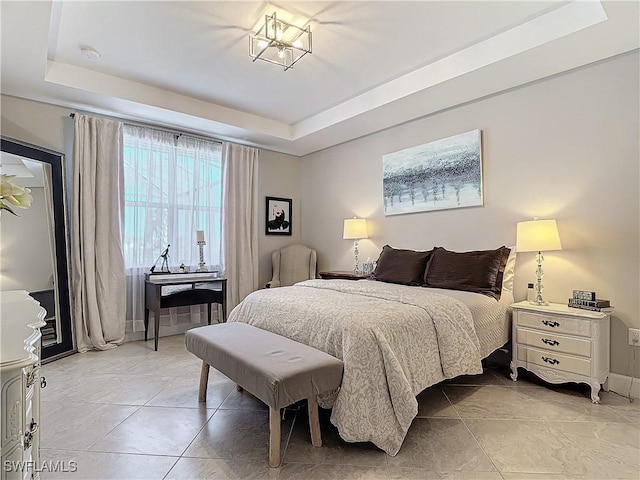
(440, 175)
(278, 216)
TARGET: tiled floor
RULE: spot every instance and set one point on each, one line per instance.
(132, 413)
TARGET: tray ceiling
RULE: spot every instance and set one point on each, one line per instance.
(374, 64)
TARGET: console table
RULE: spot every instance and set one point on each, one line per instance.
(204, 289)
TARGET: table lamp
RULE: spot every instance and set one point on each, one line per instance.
(538, 236)
(355, 229)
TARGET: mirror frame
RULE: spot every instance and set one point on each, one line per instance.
(56, 161)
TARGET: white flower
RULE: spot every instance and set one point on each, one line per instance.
(12, 195)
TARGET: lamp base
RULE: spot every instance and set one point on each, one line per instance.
(539, 273)
(202, 267)
(356, 266)
(540, 304)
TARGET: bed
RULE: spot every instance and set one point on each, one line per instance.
(395, 340)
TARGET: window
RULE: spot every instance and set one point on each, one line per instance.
(172, 188)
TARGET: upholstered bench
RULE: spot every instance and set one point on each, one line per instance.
(277, 370)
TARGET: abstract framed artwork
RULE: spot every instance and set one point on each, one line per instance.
(278, 216)
(438, 175)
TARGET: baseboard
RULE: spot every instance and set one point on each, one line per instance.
(620, 384)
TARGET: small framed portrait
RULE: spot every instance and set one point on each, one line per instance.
(278, 221)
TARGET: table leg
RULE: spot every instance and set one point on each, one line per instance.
(156, 315)
(209, 313)
(146, 323)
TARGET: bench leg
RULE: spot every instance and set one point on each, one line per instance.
(274, 437)
(314, 421)
(204, 380)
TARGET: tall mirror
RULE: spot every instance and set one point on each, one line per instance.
(34, 241)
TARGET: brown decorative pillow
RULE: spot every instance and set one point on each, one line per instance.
(401, 266)
(478, 271)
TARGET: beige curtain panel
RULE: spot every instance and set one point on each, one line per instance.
(97, 264)
(240, 220)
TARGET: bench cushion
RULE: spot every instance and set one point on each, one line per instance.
(277, 370)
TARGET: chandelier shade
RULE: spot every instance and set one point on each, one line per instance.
(279, 42)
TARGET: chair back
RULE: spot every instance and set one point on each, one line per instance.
(292, 264)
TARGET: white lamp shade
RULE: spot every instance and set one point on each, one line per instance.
(537, 236)
(355, 228)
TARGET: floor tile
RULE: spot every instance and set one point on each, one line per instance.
(128, 390)
(237, 434)
(76, 426)
(335, 472)
(540, 476)
(183, 392)
(594, 450)
(495, 402)
(399, 473)
(441, 444)
(243, 401)
(334, 450)
(212, 469)
(432, 402)
(155, 431)
(58, 464)
(487, 377)
(600, 450)
(168, 366)
(47, 407)
(109, 466)
(78, 386)
(622, 406)
(480, 427)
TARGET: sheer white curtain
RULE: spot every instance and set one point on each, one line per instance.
(172, 189)
(97, 266)
(240, 221)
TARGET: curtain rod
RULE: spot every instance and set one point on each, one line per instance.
(173, 132)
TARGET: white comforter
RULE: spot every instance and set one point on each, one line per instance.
(394, 340)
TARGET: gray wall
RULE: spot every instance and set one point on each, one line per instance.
(49, 126)
(564, 148)
(279, 177)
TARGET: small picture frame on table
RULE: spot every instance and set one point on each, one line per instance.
(278, 216)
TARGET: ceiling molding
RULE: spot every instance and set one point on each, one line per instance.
(558, 37)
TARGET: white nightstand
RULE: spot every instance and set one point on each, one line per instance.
(561, 344)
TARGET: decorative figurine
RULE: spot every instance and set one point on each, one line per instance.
(165, 264)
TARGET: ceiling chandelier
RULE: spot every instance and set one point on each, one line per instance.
(279, 42)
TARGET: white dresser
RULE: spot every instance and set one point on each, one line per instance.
(21, 318)
(561, 344)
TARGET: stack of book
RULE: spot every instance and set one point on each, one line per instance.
(587, 300)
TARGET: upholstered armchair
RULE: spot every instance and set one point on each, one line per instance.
(292, 264)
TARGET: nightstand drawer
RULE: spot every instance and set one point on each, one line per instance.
(555, 360)
(554, 323)
(553, 342)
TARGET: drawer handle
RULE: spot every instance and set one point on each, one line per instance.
(28, 436)
(553, 343)
(550, 323)
(551, 361)
(43, 382)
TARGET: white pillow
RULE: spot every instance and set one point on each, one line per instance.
(509, 270)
